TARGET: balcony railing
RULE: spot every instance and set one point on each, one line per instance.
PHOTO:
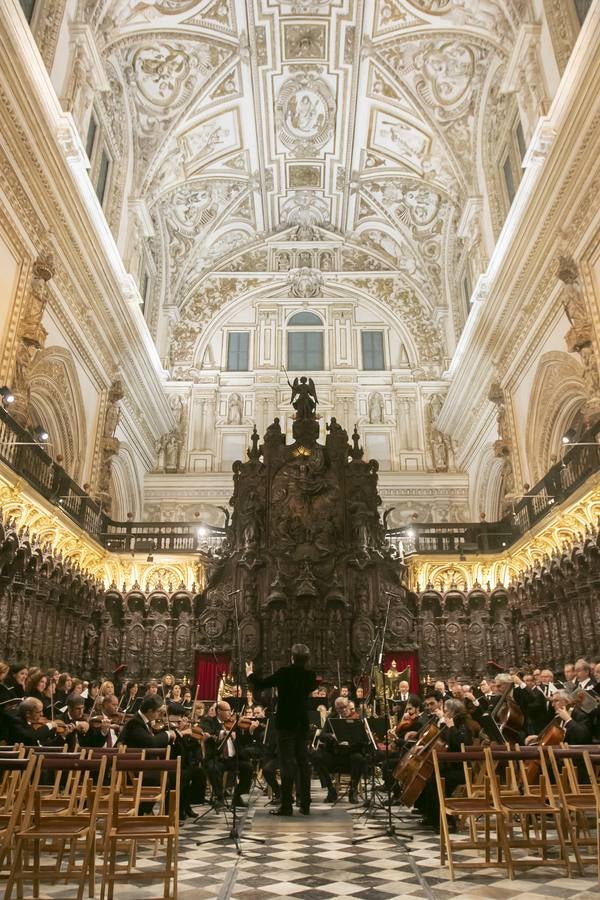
(49, 479)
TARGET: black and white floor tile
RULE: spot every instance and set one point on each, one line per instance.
(302, 859)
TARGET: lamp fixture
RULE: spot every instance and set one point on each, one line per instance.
(40, 434)
(7, 395)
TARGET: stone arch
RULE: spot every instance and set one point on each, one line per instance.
(126, 489)
(558, 393)
(488, 486)
(57, 404)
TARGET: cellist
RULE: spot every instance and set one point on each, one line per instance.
(455, 733)
(573, 721)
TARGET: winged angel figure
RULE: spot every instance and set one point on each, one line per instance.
(304, 397)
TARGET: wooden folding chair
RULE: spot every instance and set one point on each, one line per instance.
(480, 806)
(577, 800)
(529, 808)
(591, 765)
(164, 828)
(21, 777)
(78, 830)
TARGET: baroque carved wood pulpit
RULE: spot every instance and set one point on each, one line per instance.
(305, 557)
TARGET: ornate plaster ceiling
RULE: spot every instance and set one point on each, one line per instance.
(365, 118)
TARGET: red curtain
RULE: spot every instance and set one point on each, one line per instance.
(208, 670)
(404, 659)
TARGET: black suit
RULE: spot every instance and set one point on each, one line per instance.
(136, 733)
(294, 685)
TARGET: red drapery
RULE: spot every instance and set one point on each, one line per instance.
(208, 670)
(404, 659)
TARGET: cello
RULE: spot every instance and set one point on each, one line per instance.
(505, 721)
(415, 768)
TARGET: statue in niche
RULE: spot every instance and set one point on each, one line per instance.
(283, 262)
(304, 260)
(439, 451)
(376, 409)
(172, 448)
(113, 410)
(326, 262)
(234, 410)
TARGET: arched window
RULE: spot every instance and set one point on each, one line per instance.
(305, 347)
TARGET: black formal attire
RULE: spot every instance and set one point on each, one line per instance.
(223, 754)
(138, 733)
(537, 707)
(332, 756)
(9, 701)
(264, 749)
(294, 685)
(43, 736)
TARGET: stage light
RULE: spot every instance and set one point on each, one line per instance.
(40, 434)
(202, 531)
(569, 436)
(410, 533)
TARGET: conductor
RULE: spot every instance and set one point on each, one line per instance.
(294, 684)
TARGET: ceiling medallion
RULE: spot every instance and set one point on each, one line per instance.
(305, 282)
(305, 113)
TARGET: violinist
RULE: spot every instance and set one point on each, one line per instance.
(31, 728)
(104, 730)
(225, 752)
(76, 724)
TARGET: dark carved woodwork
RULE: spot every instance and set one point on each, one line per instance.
(305, 557)
(328, 586)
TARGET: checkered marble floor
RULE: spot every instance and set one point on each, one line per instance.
(318, 865)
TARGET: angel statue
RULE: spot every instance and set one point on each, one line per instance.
(304, 397)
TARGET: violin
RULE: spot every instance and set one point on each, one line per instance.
(99, 721)
(59, 727)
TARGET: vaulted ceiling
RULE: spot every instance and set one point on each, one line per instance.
(366, 118)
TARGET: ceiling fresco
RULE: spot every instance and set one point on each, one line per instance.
(366, 119)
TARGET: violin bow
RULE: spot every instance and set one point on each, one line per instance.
(193, 715)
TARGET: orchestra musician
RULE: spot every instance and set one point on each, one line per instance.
(31, 729)
(455, 732)
(104, 730)
(77, 725)
(294, 684)
(225, 751)
(332, 756)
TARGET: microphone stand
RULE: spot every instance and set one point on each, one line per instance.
(390, 829)
(234, 833)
